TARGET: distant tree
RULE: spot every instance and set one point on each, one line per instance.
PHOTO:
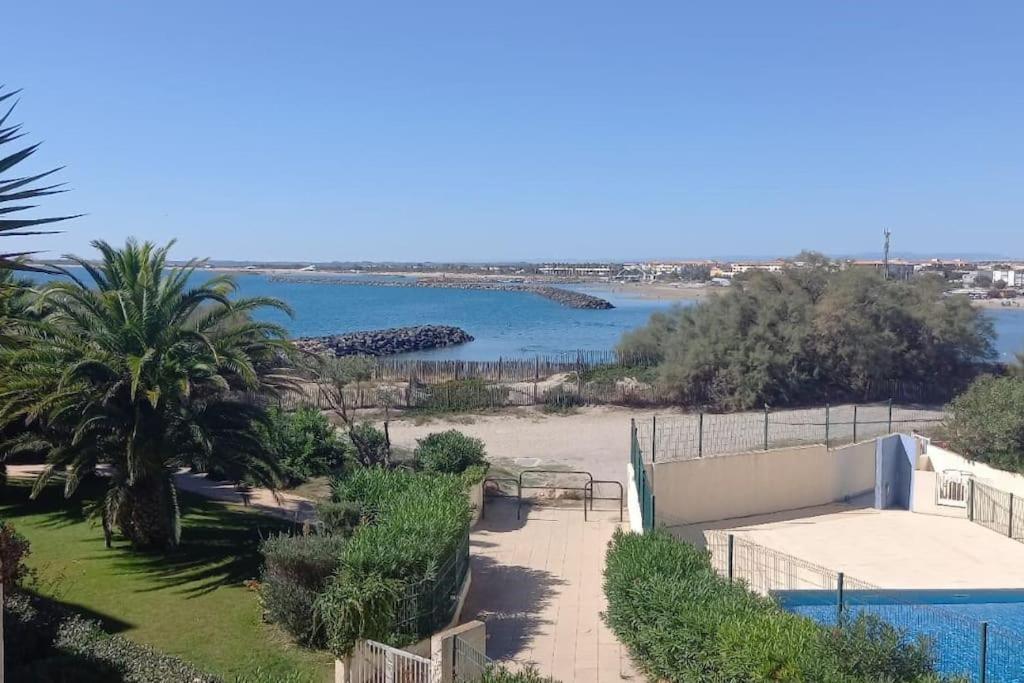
(812, 258)
(983, 280)
(808, 334)
(999, 284)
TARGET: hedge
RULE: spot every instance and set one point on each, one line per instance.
(415, 527)
(45, 642)
(683, 622)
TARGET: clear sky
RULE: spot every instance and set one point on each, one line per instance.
(527, 130)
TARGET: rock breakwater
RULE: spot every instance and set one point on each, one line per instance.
(385, 342)
(566, 297)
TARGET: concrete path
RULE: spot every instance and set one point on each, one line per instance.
(537, 583)
(283, 505)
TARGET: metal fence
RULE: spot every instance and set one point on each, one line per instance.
(373, 662)
(430, 603)
(644, 487)
(995, 509)
(965, 647)
(469, 665)
(697, 435)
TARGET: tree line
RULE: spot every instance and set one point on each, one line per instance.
(812, 335)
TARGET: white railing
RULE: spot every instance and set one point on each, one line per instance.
(373, 662)
(951, 488)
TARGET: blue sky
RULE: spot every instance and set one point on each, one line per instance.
(527, 130)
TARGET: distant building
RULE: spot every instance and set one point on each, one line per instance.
(1012, 278)
(652, 270)
(768, 266)
(572, 270)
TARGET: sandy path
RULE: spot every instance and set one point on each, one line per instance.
(593, 439)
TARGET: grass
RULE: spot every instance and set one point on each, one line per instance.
(191, 603)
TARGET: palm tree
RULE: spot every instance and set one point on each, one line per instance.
(13, 191)
(141, 371)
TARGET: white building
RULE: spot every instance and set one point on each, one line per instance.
(1012, 278)
(569, 270)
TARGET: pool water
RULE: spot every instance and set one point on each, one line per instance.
(950, 619)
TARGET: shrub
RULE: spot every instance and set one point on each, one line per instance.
(561, 399)
(45, 641)
(461, 395)
(499, 674)
(986, 422)
(399, 559)
(683, 622)
(14, 548)
(338, 519)
(296, 570)
(450, 452)
(305, 443)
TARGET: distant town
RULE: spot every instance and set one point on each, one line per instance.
(1000, 281)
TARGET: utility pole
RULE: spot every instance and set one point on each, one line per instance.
(887, 232)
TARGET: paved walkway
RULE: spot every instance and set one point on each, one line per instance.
(284, 505)
(537, 585)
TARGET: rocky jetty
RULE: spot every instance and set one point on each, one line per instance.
(385, 342)
(566, 297)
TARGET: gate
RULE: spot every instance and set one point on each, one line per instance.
(951, 488)
(373, 662)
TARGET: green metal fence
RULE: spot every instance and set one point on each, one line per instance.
(644, 486)
(995, 509)
(429, 604)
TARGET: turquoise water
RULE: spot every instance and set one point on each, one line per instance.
(950, 619)
(505, 324)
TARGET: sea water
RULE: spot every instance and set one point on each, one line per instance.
(504, 324)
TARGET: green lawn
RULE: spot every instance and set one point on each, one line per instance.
(191, 603)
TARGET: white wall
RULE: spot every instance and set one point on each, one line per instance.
(937, 459)
(761, 482)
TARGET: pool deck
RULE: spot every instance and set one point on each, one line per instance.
(890, 548)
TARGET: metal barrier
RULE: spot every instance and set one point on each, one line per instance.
(372, 662)
(469, 665)
(588, 475)
(620, 497)
(497, 480)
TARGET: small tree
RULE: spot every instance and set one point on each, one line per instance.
(337, 378)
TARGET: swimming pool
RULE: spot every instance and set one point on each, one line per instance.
(951, 619)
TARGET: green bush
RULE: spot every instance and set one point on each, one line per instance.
(339, 519)
(14, 548)
(986, 422)
(450, 452)
(682, 622)
(499, 674)
(46, 642)
(305, 443)
(415, 525)
(296, 570)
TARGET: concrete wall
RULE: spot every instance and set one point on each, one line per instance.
(924, 497)
(761, 482)
(936, 459)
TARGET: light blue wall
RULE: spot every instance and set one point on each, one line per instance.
(895, 456)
